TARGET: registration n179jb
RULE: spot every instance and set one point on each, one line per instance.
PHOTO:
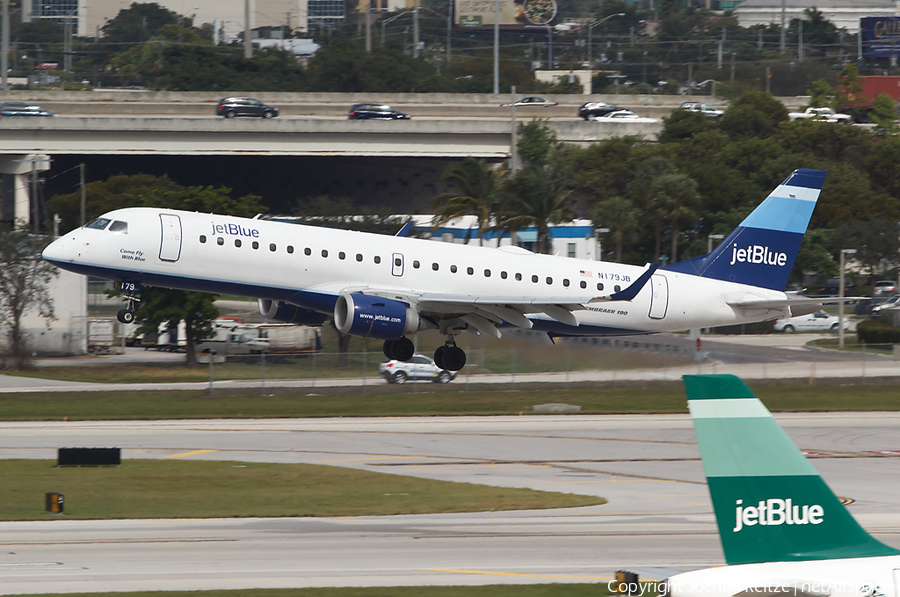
(390, 287)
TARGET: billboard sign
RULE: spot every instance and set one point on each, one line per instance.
(514, 14)
(880, 36)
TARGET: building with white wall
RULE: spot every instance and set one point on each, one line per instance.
(67, 334)
(845, 14)
(576, 239)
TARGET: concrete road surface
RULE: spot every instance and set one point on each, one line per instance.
(658, 513)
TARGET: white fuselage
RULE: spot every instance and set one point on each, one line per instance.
(851, 577)
(277, 260)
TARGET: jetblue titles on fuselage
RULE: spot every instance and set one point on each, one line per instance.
(235, 230)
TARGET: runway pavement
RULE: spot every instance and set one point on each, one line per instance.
(658, 513)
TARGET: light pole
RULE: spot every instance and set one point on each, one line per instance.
(591, 27)
(386, 21)
(841, 296)
(709, 240)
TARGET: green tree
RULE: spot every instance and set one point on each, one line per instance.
(682, 124)
(24, 277)
(821, 94)
(170, 307)
(40, 31)
(145, 190)
(642, 193)
(753, 114)
(620, 216)
(674, 199)
(536, 142)
(884, 112)
(850, 85)
(535, 197)
(139, 22)
(814, 257)
(876, 242)
(478, 185)
(343, 65)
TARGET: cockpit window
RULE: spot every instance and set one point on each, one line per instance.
(99, 223)
(119, 226)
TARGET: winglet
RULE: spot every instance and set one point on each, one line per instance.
(405, 230)
(770, 503)
(636, 286)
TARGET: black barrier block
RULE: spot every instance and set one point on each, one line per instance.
(89, 457)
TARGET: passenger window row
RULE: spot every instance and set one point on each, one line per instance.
(416, 264)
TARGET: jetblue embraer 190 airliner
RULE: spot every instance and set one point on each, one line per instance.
(390, 287)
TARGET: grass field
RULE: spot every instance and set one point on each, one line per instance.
(408, 400)
(203, 489)
(549, 590)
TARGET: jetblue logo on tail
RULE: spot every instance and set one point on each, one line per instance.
(775, 511)
(757, 254)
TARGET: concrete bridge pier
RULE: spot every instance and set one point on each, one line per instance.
(16, 206)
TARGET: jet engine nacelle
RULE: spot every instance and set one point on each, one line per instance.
(374, 317)
(288, 313)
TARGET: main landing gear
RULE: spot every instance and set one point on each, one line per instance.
(401, 349)
(126, 315)
(450, 356)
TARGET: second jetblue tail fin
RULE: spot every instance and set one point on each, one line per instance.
(761, 251)
(771, 505)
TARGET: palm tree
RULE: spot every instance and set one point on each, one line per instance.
(535, 198)
(478, 185)
(620, 216)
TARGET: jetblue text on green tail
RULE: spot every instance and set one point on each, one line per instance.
(775, 511)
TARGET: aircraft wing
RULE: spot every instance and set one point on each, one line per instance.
(485, 312)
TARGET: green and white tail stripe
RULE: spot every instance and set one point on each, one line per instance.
(770, 503)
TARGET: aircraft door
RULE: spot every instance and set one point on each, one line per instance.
(170, 245)
(397, 264)
(659, 299)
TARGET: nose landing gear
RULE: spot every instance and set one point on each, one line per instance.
(131, 292)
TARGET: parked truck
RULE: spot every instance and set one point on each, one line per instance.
(236, 338)
(860, 104)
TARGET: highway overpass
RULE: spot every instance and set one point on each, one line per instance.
(174, 135)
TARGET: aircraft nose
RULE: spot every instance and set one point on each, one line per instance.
(55, 251)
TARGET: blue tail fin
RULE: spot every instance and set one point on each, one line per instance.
(761, 251)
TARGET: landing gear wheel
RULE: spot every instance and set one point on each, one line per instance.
(125, 316)
(444, 377)
(400, 377)
(388, 349)
(454, 358)
(403, 349)
(439, 357)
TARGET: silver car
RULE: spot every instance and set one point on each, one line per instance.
(418, 367)
(818, 321)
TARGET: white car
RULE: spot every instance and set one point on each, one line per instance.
(892, 304)
(707, 110)
(821, 115)
(531, 101)
(418, 367)
(820, 320)
(622, 116)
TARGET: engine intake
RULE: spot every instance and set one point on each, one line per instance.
(374, 317)
(288, 313)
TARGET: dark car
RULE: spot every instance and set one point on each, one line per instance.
(22, 109)
(375, 112)
(867, 306)
(832, 287)
(591, 110)
(230, 107)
